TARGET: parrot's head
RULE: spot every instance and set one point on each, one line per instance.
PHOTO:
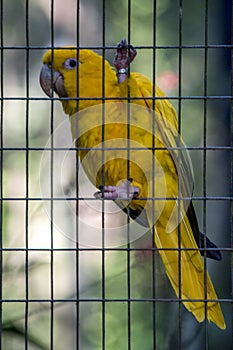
(63, 68)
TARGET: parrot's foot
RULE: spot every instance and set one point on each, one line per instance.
(123, 191)
(125, 54)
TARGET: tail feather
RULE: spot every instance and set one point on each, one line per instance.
(190, 281)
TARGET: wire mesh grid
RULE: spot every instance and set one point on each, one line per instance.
(77, 273)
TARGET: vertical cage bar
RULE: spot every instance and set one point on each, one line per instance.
(128, 176)
(51, 191)
(103, 178)
(27, 174)
(77, 188)
(1, 164)
(231, 167)
(178, 170)
(205, 164)
(153, 175)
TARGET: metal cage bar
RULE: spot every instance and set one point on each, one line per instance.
(82, 304)
(1, 167)
(27, 111)
(204, 161)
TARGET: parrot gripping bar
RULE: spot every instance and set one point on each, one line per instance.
(124, 56)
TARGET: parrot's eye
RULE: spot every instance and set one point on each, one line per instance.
(70, 63)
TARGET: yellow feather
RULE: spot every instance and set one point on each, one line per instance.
(155, 173)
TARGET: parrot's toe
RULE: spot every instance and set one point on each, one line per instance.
(123, 191)
(125, 54)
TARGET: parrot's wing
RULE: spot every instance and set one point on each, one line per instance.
(180, 156)
(179, 153)
(173, 233)
(160, 103)
(167, 128)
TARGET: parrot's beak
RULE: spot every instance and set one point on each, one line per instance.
(52, 80)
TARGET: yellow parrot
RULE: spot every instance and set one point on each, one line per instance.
(130, 148)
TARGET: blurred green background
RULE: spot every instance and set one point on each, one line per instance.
(41, 274)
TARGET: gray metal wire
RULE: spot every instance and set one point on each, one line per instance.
(103, 300)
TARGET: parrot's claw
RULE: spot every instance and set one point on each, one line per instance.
(122, 191)
(125, 55)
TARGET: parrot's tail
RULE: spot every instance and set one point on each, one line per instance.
(185, 270)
